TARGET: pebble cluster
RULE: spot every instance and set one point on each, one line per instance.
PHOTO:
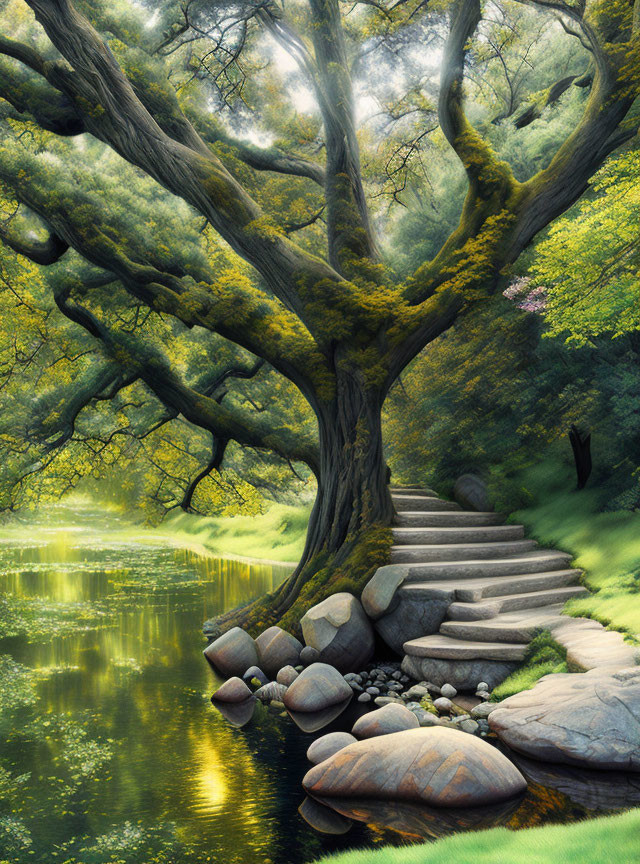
(432, 705)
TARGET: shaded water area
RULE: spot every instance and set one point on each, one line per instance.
(110, 750)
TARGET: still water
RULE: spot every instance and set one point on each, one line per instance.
(110, 749)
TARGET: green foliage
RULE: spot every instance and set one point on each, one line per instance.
(589, 264)
(608, 838)
(544, 657)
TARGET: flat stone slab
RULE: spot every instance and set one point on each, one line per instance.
(458, 551)
(514, 627)
(436, 766)
(447, 648)
(588, 719)
(590, 646)
(538, 561)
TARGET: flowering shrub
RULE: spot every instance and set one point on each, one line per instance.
(526, 295)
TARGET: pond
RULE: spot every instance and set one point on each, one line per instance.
(110, 749)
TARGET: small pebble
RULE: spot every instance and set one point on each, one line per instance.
(443, 704)
(469, 726)
(448, 691)
(364, 697)
(384, 700)
(374, 691)
(483, 686)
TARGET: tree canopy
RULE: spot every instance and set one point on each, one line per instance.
(229, 227)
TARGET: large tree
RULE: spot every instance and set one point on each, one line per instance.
(166, 88)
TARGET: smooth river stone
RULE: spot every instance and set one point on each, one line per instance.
(326, 746)
(233, 690)
(319, 686)
(339, 629)
(232, 653)
(385, 721)
(435, 766)
(276, 649)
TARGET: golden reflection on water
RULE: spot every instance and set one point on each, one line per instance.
(133, 661)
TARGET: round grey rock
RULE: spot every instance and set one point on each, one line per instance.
(276, 649)
(339, 629)
(324, 747)
(233, 690)
(309, 655)
(443, 704)
(472, 493)
(232, 653)
(364, 697)
(318, 687)
(448, 691)
(255, 672)
(384, 721)
(287, 675)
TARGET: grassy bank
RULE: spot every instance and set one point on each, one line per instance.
(606, 545)
(277, 535)
(610, 838)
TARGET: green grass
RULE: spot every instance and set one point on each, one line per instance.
(606, 545)
(598, 841)
(277, 535)
(544, 656)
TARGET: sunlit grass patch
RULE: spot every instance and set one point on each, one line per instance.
(606, 545)
(276, 535)
(544, 656)
(610, 838)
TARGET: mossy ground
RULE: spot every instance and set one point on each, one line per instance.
(608, 839)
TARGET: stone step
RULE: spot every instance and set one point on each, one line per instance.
(449, 534)
(445, 552)
(419, 491)
(537, 561)
(413, 503)
(448, 519)
(447, 648)
(492, 606)
(505, 627)
(474, 590)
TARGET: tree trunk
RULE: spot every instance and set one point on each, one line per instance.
(581, 445)
(348, 534)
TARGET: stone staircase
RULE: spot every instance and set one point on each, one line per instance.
(505, 588)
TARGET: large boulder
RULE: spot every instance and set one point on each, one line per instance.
(385, 721)
(277, 648)
(471, 493)
(399, 611)
(232, 653)
(590, 719)
(319, 686)
(436, 766)
(339, 629)
(233, 690)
